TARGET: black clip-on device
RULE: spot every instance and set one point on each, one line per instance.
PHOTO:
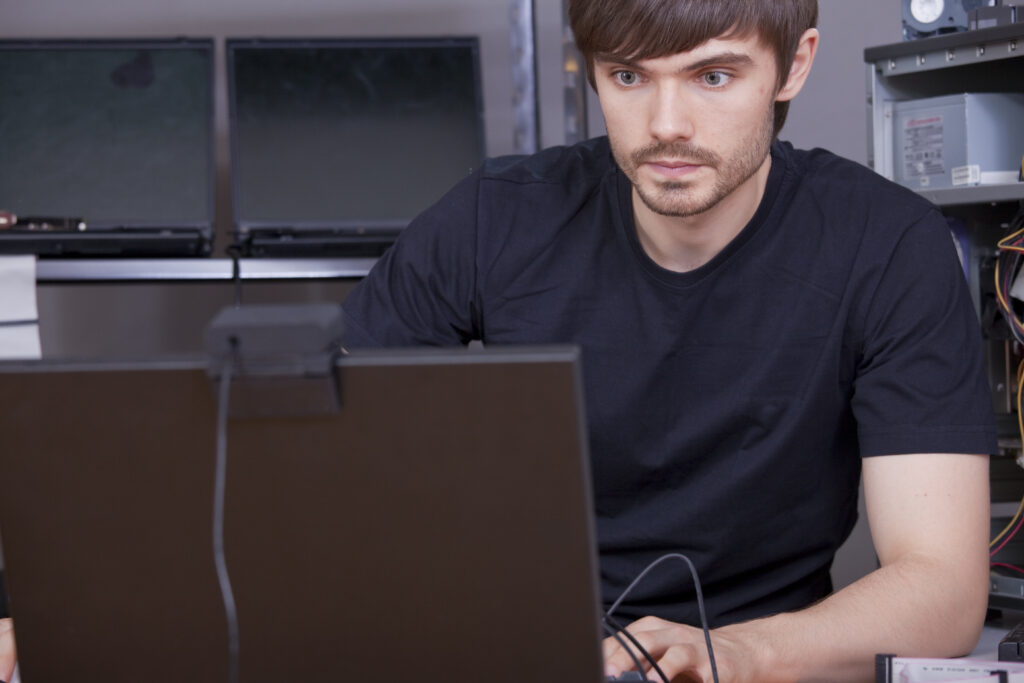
(281, 358)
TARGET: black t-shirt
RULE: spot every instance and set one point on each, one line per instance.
(728, 406)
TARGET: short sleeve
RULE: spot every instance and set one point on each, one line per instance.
(920, 385)
(422, 290)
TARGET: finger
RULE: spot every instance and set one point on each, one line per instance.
(681, 647)
(651, 647)
(650, 624)
(620, 655)
(609, 646)
(684, 662)
(8, 657)
(613, 643)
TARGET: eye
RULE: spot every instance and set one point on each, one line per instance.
(626, 77)
(716, 79)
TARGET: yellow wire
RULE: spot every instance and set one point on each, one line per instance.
(1020, 389)
(1003, 303)
(1003, 245)
(1009, 526)
(1020, 427)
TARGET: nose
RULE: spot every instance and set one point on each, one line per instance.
(671, 117)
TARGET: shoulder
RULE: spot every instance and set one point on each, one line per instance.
(505, 186)
(853, 233)
(582, 164)
(544, 195)
(838, 185)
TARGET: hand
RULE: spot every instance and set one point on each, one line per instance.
(8, 656)
(681, 653)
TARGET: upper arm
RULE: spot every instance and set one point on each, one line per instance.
(422, 291)
(935, 505)
(920, 384)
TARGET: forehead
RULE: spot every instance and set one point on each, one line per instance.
(750, 49)
(752, 46)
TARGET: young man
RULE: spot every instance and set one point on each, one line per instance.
(760, 326)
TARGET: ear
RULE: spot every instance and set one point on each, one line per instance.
(801, 68)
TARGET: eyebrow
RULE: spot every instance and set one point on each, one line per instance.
(719, 59)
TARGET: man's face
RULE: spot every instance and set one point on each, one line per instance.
(691, 128)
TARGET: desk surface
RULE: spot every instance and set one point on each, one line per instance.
(987, 649)
(993, 632)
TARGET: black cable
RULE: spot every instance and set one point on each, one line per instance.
(618, 628)
(227, 596)
(700, 601)
(1017, 222)
(1009, 267)
(616, 633)
(236, 271)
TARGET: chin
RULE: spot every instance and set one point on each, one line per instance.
(664, 204)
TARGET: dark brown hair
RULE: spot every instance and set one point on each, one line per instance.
(648, 29)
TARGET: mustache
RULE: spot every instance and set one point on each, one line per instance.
(674, 150)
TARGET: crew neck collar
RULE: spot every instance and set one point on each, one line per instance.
(676, 279)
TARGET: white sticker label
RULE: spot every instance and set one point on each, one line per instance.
(966, 175)
(922, 147)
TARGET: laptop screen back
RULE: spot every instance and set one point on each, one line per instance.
(439, 522)
(350, 135)
(118, 134)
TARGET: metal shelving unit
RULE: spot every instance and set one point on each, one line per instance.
(979, 194)
(985, 60)
(198, 269)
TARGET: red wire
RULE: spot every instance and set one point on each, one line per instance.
(1008, 537)
(1003, 565)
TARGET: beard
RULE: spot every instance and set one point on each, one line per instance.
(685, 197)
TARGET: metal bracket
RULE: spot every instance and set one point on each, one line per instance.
(282, 358)
(524, 76)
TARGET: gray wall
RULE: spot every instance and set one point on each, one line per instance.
(91, 320)
(831, 112)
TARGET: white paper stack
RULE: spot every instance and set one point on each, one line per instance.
(19, 315)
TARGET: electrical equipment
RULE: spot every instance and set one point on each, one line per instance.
(958, 140)
(923, 18)
(987, 17)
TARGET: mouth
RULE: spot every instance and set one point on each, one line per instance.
(673, 167)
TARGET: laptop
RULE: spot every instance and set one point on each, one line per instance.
(336, 144)
(107, 147)
(436, 526)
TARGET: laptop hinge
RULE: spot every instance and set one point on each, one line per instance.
(282, 358)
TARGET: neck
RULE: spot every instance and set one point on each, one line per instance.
(685, 243)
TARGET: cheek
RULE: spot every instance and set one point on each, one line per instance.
(741, 113)
(624, 123)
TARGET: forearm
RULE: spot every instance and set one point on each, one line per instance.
(915, 606)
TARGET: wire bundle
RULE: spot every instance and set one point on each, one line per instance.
(1005, 536)
(1008, 262)
(1008, 267)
